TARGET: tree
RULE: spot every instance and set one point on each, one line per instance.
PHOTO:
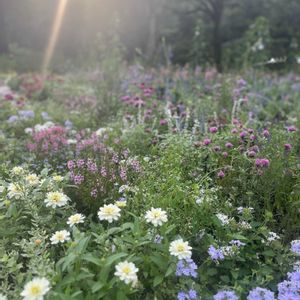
(3, 31)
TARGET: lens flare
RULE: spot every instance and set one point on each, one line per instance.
(60, 12)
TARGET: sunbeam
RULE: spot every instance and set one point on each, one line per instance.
(61, 9)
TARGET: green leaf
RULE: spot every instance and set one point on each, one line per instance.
(95, 260)
(212, 271)
(158, 280)
(111, 259)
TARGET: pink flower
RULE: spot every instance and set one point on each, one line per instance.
(229, 145)
(287, 147)
(291, 128)
(221, 174)
(234, 131)
(163, 122)
(213, 129)
(266, 133)
(206, 142)
(262, 162)
(225, 154)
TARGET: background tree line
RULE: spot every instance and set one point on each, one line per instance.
(223, 33)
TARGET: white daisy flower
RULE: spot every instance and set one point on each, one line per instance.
(126, 271)
(223, 218)
(272, 236)
(3, 297)
(56, 199)
(109, 213)
(75, 219)
(36, 289)
(14, 191)
(17, 171)
(156, 216)
(58, 178)
(60, 237)
(180, 249)
(32, 179)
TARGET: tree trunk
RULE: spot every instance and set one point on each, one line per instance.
(3, 34)
(217, 14)
(217, 45)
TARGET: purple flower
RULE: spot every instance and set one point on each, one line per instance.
(163, 122)
(225, 295)
(289, 290)
(225, 154)
(213, 129)
(234, 131)
(71, 164)
(13, 119)
(157, 239)
(221, 174)
(68, 124)
(229, 145)
(251, 153)
(260, 294)
(45, 115)
(287, 147)
(291, 128)
(215, 254)
(237, 243)
(26, 114)
(243, 134)
(94, 193)
(294, 276)
(241, 83)
(78, 179)
(206, 142)
(296, 247)
(190, 295)
(262, 162)
(186, 268)
(80, 163)
(266, 133)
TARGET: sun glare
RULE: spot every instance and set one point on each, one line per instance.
(56, 27)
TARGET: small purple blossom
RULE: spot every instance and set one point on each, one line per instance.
(287, 147)
(260, 294)
(295, 247)
(13, 119)
(158, 239)
(266, 133)
(186, 268)
(221, 174)
(291, 128)
(226, 295)
(26, 114)
(190, 295)
(215, 254)
(229, 145)
(213, 129)
(262, 162)
(237, 243)
(206, 142)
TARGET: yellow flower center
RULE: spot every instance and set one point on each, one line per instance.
(35, 290)
(126, 270)
(56, 198)
(180, 248)
(109, 210)
(156, 214)
(60, 236)
(75, 219)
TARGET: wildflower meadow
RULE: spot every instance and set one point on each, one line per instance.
(130, 176)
